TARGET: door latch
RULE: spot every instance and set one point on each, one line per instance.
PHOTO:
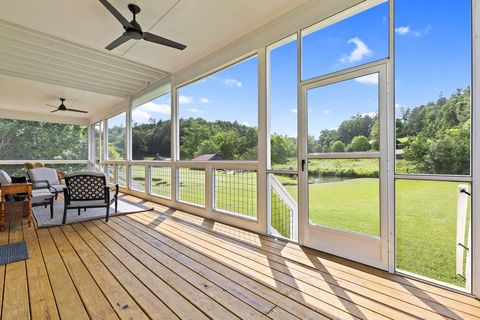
(303, 164)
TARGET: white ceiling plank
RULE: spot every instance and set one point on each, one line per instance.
(29, 96)
(17, 32)
(50, 61)
(66, 80)
(67, 84)
(64, 55)
(57, 72)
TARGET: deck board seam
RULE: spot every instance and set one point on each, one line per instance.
(121, 283)
(303, 303)
(106, 247)
(199, 264)
(257, 250)
(148, 268)
(47, 271)
(191, 270)
(69, 275)
(334, 263)
(371, 309)
(91, 276)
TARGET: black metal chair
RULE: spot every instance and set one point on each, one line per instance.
(88, 190)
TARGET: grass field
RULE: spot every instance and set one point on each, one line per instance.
(425, 211)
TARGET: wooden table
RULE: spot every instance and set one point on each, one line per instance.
(13, 210)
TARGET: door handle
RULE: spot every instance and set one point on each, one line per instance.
(303, 164)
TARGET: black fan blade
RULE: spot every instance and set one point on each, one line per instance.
(115, 13)
(160, 40)
(55, 110)
(51, 106)
(75, 110)
(115, 43)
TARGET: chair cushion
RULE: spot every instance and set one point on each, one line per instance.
(5, 178)
(86, 203)
(41, 196)
(48, 174)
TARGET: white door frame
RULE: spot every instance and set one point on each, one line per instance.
(355, 246)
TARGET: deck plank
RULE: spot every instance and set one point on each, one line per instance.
(175, 301)
(147, 300)
(225, 279)
(344, 272)
(171, 264)
(42, 300)
(3, 240)
(424, 293)
(266, 292)
(95, 302)
(15, 300)
(326, 305)
(360, 296)
(120, 300)
(215, 292)
(193, 294)
(69, 304)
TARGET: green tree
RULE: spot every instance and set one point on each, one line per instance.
(226, 142)
(374, 136)
(338, 146)
(207, 147)
(359, 143)
(279, 149)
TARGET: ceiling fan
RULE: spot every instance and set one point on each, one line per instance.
(133, 31)
(62, 107)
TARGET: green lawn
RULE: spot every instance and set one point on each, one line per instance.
(425, 210)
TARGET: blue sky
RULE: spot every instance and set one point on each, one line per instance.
(432, 56)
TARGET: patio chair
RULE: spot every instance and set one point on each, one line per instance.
(32, 165)
(88, 190)
(46, 178)
(41, 196)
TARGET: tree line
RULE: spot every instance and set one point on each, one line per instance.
(434, 137)
(31, 140)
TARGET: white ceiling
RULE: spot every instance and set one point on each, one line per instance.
(20, 97)
(60, 44)
(203, 25)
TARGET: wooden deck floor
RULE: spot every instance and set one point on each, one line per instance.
(170, 265)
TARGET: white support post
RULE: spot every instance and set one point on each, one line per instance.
(262, 142)
(174, 140)
(209, 188)
(302, 150)
(475, 221)
(391, 141)
(128, 144)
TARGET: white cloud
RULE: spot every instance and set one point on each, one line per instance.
(294, 110)
(162, 108)
(327, 111)
(185, 100)
(140, 116)
(361, 51)
(233, 83)
(245, 123)
(370, 114)
(417, 33)
(370, 79)
(402, 30)
(204, 100)
(194, 110)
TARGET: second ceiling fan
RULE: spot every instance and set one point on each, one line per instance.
(133, 31)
